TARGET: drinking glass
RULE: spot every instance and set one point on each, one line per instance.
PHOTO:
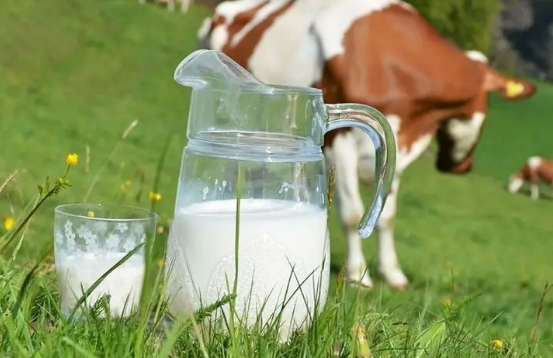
(89, 239)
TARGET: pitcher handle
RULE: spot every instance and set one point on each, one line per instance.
(377, 127)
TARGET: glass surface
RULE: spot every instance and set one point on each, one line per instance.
(91, 238)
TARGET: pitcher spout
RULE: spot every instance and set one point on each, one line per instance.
(211, 69)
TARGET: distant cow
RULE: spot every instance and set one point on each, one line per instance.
(536, 170)
(184, 4)
(378, 52)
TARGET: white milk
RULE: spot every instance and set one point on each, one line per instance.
(274, 235)
(125, 281)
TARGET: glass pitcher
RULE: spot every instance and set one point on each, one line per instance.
(255, 149)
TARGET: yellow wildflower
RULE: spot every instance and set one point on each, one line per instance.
(8, 222)
(160, 263)
(155, 196)
(363, 349)
(90, 214)
(160, 229)
(497, 344)
(72, 159)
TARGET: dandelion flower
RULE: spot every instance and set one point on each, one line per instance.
(8, 222)
(160, 263)
(160, 229)
(497, 344)
(90, 214)
(155, 196)
(72, 159)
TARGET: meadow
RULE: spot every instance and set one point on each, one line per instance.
(74, 75)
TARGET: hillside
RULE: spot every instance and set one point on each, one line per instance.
(77, 73)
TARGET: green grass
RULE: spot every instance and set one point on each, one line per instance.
(77, 73)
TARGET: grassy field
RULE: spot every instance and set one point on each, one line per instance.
(75, 74)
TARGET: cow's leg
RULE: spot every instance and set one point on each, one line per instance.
(534, 191)
(388, 262)
(171, 5)
(185, 5)
(349, 205)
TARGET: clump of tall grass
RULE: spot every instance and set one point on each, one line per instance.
(31, 323)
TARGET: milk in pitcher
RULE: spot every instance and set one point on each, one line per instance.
(282, 244)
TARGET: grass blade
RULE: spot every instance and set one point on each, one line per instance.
(78, 347)
(8, 180)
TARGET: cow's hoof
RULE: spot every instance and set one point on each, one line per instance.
(401, 287)
(358, 275)
(365, 283)
(359, 280)
(395, 278)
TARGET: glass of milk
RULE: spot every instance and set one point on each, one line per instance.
(251, 207)
(89, 239)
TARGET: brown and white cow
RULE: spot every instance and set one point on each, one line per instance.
(536, 170)
(377, 52)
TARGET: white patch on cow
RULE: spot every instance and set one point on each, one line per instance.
(365, 148)
(219, 37)
(406, 6)
(258, 18)
(388, 262)
(464, 133)
(534, 162)
(515, 183)
(477, 56)
(345, 156)
(335, 21)
(395, 122)
(407, 156)
(228, 10)
(288, 52)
